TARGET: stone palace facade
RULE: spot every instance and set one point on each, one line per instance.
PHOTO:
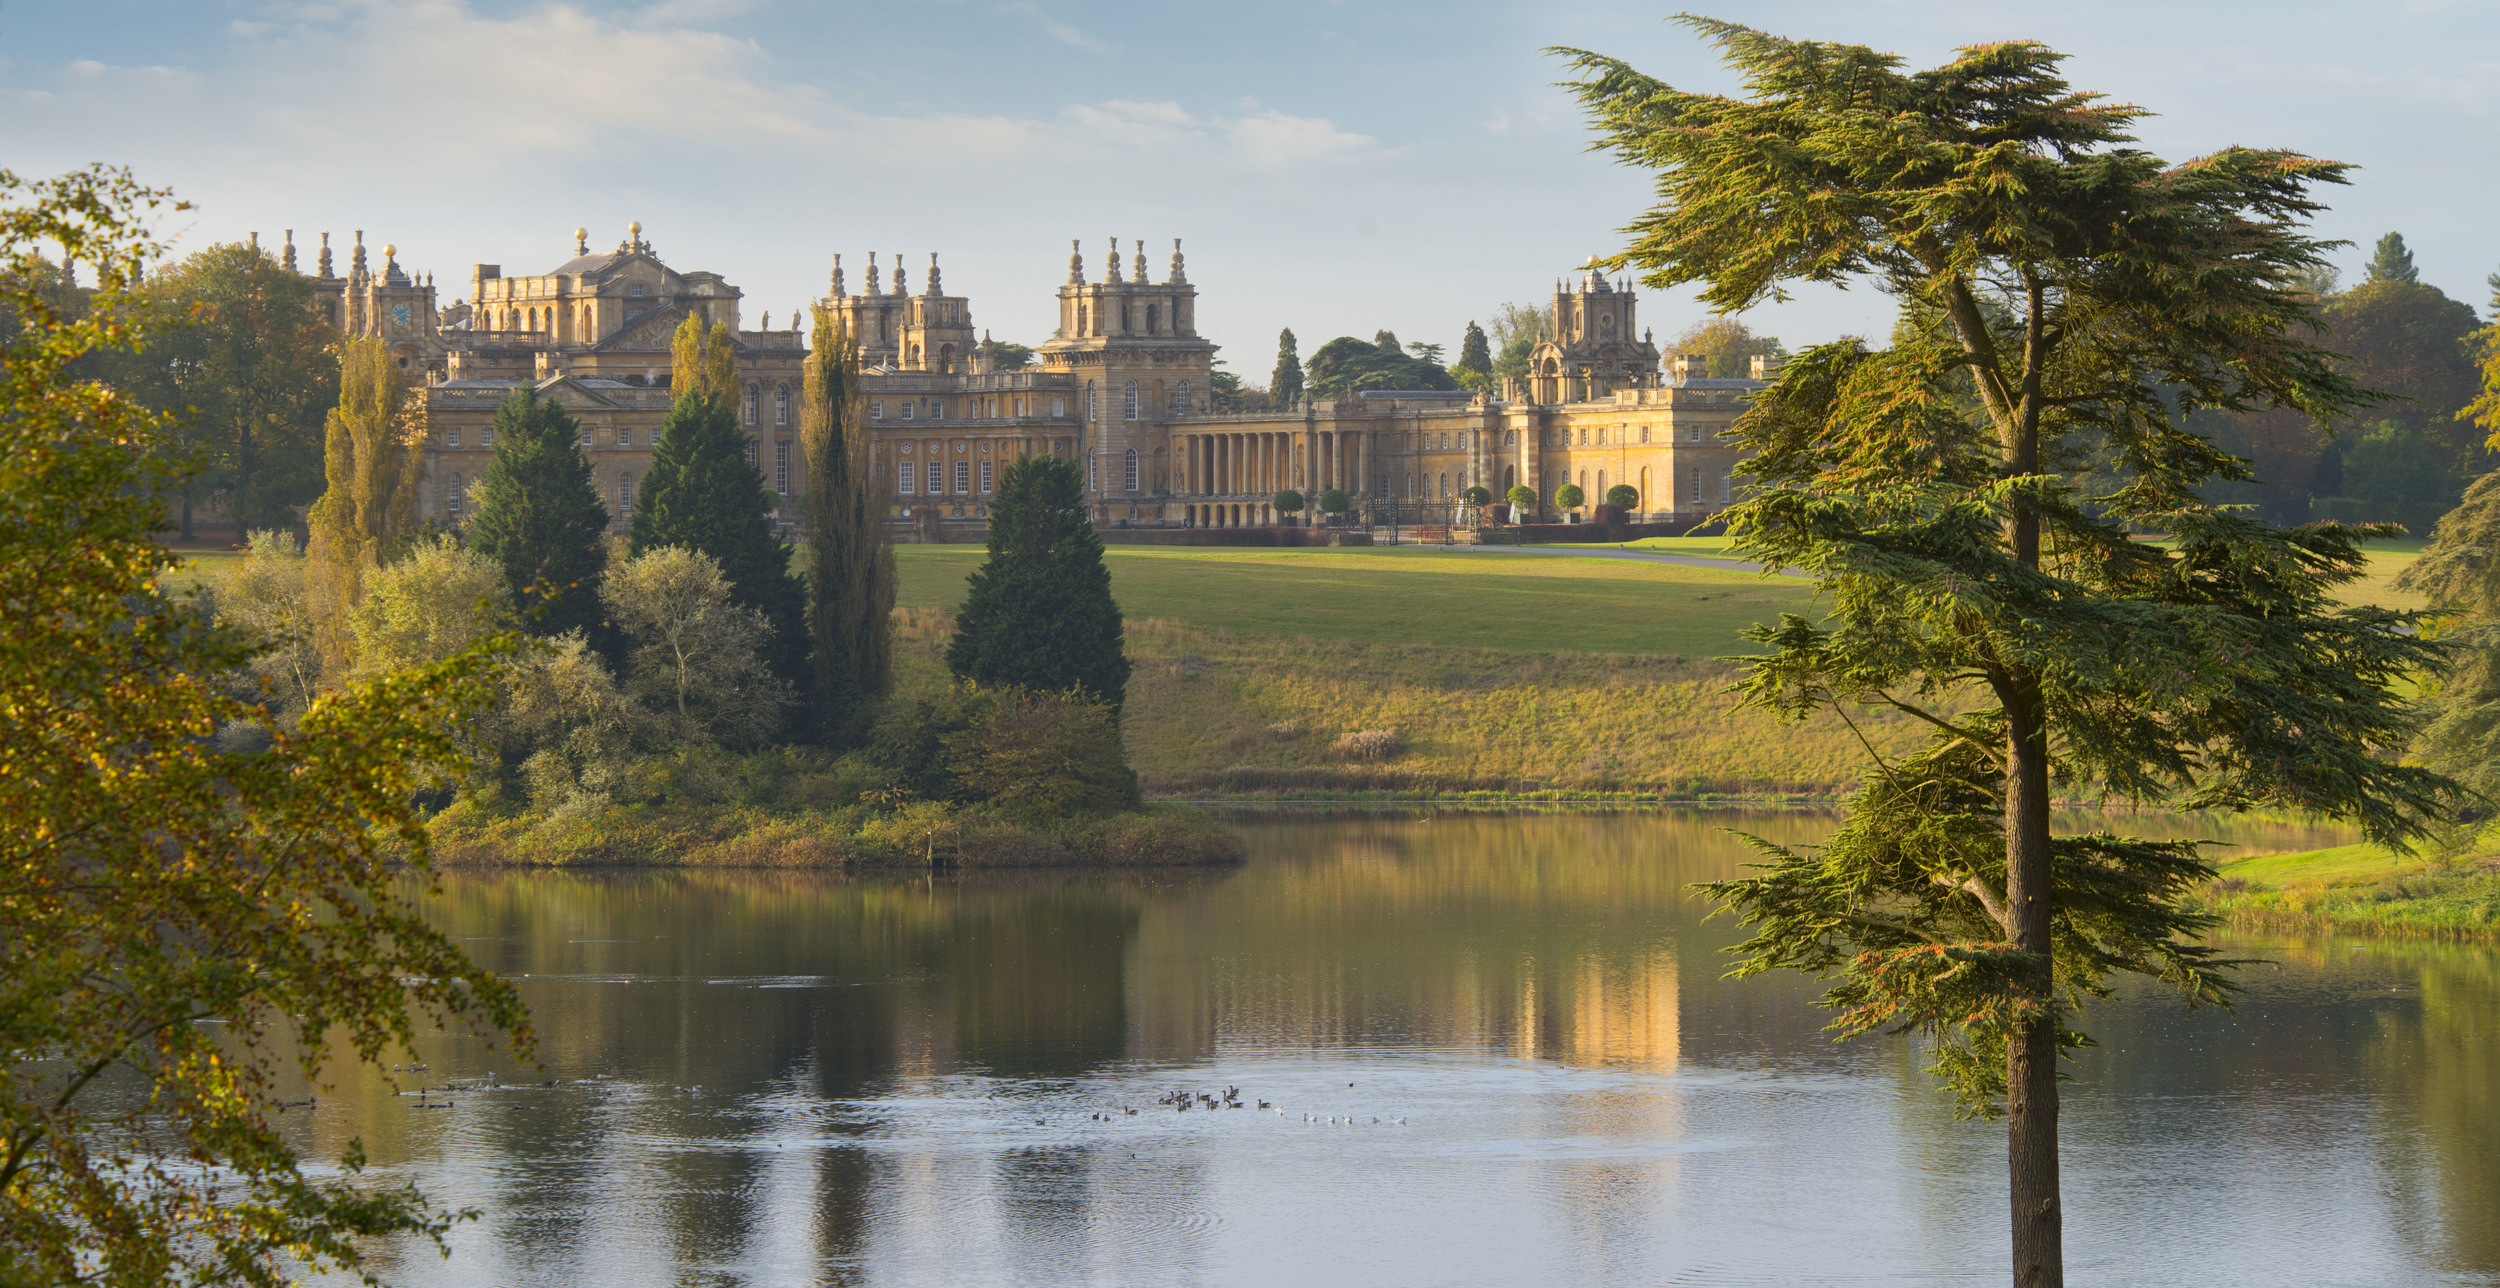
(1124, 388)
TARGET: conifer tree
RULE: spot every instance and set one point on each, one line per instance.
(1285, 386)
(2391, 262)
(2089, 299)
(851, 576)
(1475, 353)
(539, 518)
(373, 460)
(1039, 614)
(703, 494)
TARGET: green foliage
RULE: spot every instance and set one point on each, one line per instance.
(702, 494)
(1516, 329)
(2459, 573)
(1570, 496)
(241, 343)
(698, 654)
(2410, 342)
(1522, 499)
(1386, 341)
(1477, 495)
(2396, 478)
(850, 574)
(1288, 501)
(1345, 366)
(539, 518)
(1729, 345)
(436, 604)
(1969, 585)
(2391, 262)
(1039, 614)
(374, 462)
(1624, 496)
(1427, 352)
(703, 364)
(263, 602)
(1005, 356)
(1285, 386)
(1043, 756)
(153, 881)
(1475, 352)
(1335, 501)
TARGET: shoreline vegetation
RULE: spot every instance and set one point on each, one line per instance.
(2363, 889)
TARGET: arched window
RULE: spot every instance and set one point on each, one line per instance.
(533, 317)
(1132, 400)
(752, 395)
(1180, 399)
(1130, 473)
(781, 405)
(1445, 487)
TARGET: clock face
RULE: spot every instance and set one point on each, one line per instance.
(399, 314)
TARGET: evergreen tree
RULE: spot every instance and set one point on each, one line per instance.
(373, 461)
(2391, 262)
(703, 494)
(2091, 296)
(851, 575)
(1475, 352)
(1285, 386)
(539, 518)
(2459, 573)
(1040, 615)
(1386, 341)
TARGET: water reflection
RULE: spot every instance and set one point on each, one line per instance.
(1497, 1050)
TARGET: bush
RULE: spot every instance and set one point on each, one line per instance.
(1287, 502)
(1043, 755)
(1624, 496)
(1477, 495)
(1335, 501)
(1369, 744)
(1569, 496)
(1522, 499)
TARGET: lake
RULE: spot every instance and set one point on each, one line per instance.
(1494, 1050)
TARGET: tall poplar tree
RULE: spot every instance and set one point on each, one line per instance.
(539, 517)
(373, 461)
(2087, 298)
(1285, 386)
(702, 493)
(850, 575)
(1039, 614)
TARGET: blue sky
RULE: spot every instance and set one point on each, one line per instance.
(1334, 167)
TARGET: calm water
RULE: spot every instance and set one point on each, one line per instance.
(1536, 1074)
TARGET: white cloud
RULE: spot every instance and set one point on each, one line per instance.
(1064, 33)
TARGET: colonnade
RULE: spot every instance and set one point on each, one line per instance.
(1260, 463)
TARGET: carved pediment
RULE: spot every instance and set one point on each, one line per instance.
(650, 333)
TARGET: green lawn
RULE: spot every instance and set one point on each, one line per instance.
(1390, 596)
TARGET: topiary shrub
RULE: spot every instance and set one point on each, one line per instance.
(1569, 496)
(1624, 496)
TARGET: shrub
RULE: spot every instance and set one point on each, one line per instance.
(1369, 744)
(1335, 501)
(1043, 755)
(1477, 495)
(1624, 496)
(1569, 496)
(1287, 502)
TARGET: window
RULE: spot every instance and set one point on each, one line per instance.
(1693, 434)
(907, 406)
(625, 436)
(937, 478)
(1093, 473)
(452, 495)
(904, 477)
(1510, 438)
(937, 410)
(451, 436)
(1180, 399)
(1059, 406)
(486, 437)
(624, 492)
(1584, 438)
(781, 467)
(1601, 436)
(876, 410)
(1644, 433)
(1445, 487)
(985, 476)
(963, 476)
(1695, 475)
(634, 290)
(1132, 400)
(585, 435)
(781, 405)
(1727, 483)
(1090, 411)
(752, 395)
(1131, 471)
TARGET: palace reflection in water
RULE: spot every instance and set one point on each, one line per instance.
(772, 1078)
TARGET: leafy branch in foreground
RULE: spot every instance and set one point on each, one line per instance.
(2067, 298)
(179, 924)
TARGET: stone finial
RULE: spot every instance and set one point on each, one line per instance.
(899, 287)
(325, 255)
(1076, 262)
(1139, 263)
(1179, 273)
(581, 241)
(872, 273)
(256, 243)
(356, 260)
(286, 257)
(633, 236)
(1111, 271)
(933, 276)
(837, 277)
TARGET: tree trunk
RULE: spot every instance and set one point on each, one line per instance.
(2031, 1057)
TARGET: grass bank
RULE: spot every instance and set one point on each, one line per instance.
(2365, 889)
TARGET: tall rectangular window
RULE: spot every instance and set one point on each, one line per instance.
(907, 406)
(624, 492)
(1058, 406)
(937, 478)
(781, 467)
(1131, 470)
(781, 406)
(1696, 477)
(1727, 483)
(751, 451)
(486, 437)
(963, 476)
(1093, 472)
(985, 476)
(904, 478)
(625, 436)
(751, 397)
(876, 410)
(1644, 433)
(452, 495)
(586, 439)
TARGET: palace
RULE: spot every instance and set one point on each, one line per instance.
(1124, 387)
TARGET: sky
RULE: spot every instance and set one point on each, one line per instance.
(1337, 168)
